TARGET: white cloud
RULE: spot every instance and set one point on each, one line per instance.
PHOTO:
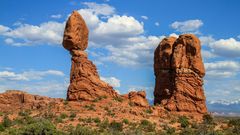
(102, 9)
(45, 33)
(28, 75)
(206, 40)
(157, 24)
(226, 47)
(222, 69)
(3, 29)
(119, 26)
(144, 17)
(57, 16)
(207, 54)
(112, 81)
(187, 26)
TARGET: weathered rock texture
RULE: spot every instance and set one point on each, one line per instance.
(138, 98)
(179, 70)
(13, 100)
(85, 83)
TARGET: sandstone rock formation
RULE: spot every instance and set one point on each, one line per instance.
(85, 83)
(138, 98)
(13, 100)
(179, 70)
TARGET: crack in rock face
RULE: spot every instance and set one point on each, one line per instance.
(179, 72)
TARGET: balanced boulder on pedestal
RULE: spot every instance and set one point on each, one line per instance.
(85, 83)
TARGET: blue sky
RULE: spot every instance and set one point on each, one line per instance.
(123, 36)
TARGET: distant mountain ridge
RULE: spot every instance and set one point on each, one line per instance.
(221, 107)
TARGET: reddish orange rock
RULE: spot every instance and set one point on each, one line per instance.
(76, 33)
(179, 71)
(85, 83)
(138, 98)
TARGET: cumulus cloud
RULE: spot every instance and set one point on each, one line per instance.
(57, 16)
(144, 17)
(226, 47)
(46, 33)
(112, 81)
(222, 69)
(102, 9)
(3, 29)
(229, 48)
(187, 26)
(119, 26)
(28, 75)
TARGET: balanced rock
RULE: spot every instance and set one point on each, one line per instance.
(76, 33)
(179, 72)
(85, 83)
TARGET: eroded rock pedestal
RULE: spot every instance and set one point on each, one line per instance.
(85, 83)
(179, 70)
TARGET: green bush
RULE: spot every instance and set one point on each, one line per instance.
(79, 130)
(90, 107)
(149, 111)
(6, 122)
(63, 115)
(183, 120)
(2, 128)
(207, 119)
(116, 126)
(126, 121)
(40, 127)
(235, 123)
(96, 120)
(147, 126)
(119, 99)
(72, 115)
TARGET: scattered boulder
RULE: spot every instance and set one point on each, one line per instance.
(85, 83)
(138, 98)
(179, 72)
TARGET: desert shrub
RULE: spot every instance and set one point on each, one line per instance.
(235, 123)
(119, 99)
(96, 120)
(90, 107)
(207, 119)
(104, 124)
(58, 119)
(187, 131)
(63, 115)
(6, 122)
(40, 127)
(126, 121)
(117, 126)
(169, 130)
(183, 120)
(24, 113)
(72, 115)
(1, 128)
(149, 111)
(79, 130)
(147, 126)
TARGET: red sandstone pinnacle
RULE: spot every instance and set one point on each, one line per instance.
(179, 70)
(75, 33)
(85, 83)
